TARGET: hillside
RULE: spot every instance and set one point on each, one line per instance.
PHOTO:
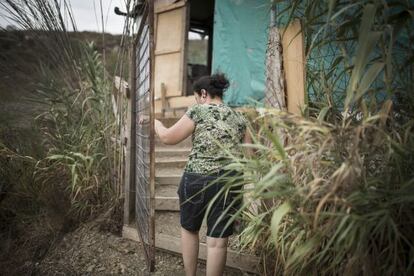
(21, 55)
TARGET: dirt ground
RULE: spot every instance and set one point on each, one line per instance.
(91, 251)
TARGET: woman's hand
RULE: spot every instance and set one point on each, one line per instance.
(175, 134)
(157, 126)
(143, 119)
(157, 123)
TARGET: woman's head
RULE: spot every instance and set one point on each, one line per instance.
(213, 86)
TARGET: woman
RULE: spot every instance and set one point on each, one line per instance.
(209, 121)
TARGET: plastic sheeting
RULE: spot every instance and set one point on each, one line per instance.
(239, 48)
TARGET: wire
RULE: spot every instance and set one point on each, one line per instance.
(96, 15)
(107, 13)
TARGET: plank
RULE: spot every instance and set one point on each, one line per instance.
(167, 69)
(168, 179)
(170, 163)
(169, 30)
(167, 203)
(170, 43)
(183, 101)
(185, 21)
(172, 244)
(166, 52)
(294, 66)
(168, 5)
(179, 102)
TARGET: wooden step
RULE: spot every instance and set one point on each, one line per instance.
(172, 219)
(172, 243)
(168, 180)
(168, 223)
(166, 198)
(170, 162)
(172, 151)
(168, 176)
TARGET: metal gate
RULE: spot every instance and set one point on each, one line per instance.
(144, 131)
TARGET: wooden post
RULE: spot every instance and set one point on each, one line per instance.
(129, 189)
(152, 136)
(294, 66)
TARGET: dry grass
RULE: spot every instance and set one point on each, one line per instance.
(332, 192)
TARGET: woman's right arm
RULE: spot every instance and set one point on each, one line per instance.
(177, 133)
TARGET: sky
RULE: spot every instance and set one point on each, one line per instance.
(86, 18)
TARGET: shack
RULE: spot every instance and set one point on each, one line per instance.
(176, 42)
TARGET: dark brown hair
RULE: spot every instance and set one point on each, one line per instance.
(215, 85)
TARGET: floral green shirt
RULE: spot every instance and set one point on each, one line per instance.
(217, 128)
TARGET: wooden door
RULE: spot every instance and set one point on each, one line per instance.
(171, 22)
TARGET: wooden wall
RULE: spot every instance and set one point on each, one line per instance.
(171, 28)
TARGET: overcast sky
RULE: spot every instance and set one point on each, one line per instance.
(86, 18)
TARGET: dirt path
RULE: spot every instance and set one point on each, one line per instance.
(89, 251)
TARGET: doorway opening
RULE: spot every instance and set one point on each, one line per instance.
(199, 41)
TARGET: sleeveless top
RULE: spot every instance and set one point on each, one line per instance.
(218, 128)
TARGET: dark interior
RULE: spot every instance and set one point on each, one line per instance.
(200, 41)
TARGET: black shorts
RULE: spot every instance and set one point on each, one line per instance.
(195, 193)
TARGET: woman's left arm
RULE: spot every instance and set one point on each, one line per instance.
(177, 133)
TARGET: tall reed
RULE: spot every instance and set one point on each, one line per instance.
(77, 125)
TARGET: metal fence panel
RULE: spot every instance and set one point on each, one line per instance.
(144, 134)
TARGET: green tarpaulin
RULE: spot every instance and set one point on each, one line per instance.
(239, 48)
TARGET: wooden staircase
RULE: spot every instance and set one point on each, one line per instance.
(169, 164)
